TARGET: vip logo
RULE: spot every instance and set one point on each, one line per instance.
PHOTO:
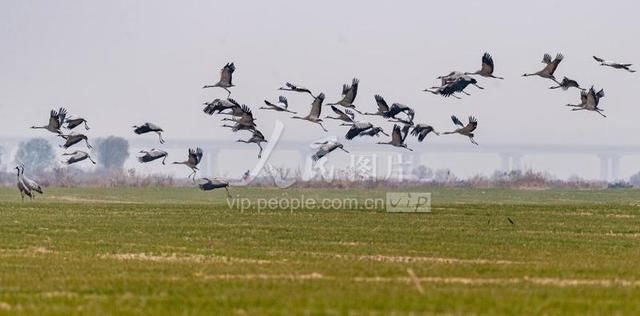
(408, 202)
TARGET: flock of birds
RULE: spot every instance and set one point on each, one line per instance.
(241, 117)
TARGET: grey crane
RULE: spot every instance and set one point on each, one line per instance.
(326, 148)
(548, 71)
(153, 154)
(398, 137)
(296, 88)
(466, 130)
(274, 107)
(422, 130)
(349, 93)
(457, 85)
(243, 121)
(206, 184)
(148, 128)
(363, 129)
(589, 101)
(77, 156)
(346, 116)
(614, 64)
(450, 77)
(195, 156)
(314, 114)
(398, 108)
(256, 138)
(31, 184)
(383, 107)
(22, 187)
(72, 139)
(226, 78)
(72, 123)
(56, 119)
(487, 67)
(219, 105)
(567, 83)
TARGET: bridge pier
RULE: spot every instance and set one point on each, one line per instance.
(609, 167)
(210, 162)
(510, 161)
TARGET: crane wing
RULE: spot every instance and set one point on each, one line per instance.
(316, 106)
(487, 64)
(226, 75)
(382, 104)
(456, 121)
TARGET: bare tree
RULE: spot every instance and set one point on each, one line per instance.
(36, 154)
(112, 152)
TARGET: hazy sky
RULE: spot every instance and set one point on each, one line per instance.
(123, 62)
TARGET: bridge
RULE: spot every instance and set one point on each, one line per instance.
(509, 155)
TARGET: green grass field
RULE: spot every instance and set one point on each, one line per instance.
(182, 251)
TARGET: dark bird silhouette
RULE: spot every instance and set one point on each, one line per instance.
(153, 154)
(458, 85)
(398, 108)
(487, 68)
(148, 128)
(349, 93)
(398, 137)
(22, 187)
(326, 148)
(73, 139)
(274, 107)
(75, 122)
(346, 116)
(314, 114)
(548, 71)
(567, 83)
(206, 184)
(195, 156)
(77, 156)
(589, 101)
(220, 105)
(613, 64)
(422, 130)
(382, 106)
(466, 130)
(56, 119)
(296, 88)
(226, 78)
(256, 138)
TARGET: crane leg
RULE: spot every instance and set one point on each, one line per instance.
(324, 129)
(260, 152)
(228, 194)
(228, 92)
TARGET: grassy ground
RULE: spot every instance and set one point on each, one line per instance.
(182, 251)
